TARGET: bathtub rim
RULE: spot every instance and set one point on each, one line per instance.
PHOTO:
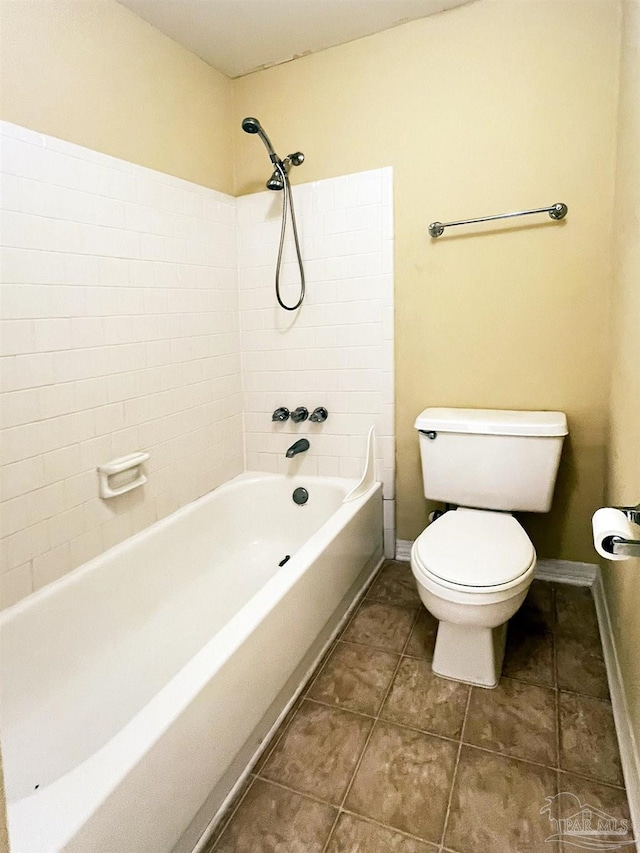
(118, 756)
(7, 614)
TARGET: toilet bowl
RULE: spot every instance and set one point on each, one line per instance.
(473, 569)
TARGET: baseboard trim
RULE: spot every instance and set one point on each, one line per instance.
(567, 571)
(560, 571)
(629, 751)
(403, 550)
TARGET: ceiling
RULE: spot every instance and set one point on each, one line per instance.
(240, 36)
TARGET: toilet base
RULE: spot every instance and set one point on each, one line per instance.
(470, 654)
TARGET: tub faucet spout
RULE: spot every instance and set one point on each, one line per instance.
(298, 446)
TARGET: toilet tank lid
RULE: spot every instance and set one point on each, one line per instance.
(492, 422)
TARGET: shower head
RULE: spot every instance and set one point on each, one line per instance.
(276, 181)
(252, 125)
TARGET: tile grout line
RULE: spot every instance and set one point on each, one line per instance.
(224, 823)
(284, 726)
(376, 719)
(455, 772)
(401, 832)
(338, 639)
(304, 794)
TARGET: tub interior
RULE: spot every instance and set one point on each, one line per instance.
(125, 624)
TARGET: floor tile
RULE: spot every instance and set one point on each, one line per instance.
(319, 751)
(354, 835)
(273, 820)
(383, 626)
(540, 595)
(355, 677)
(404, 781)
(496, 805)
(423, 636)
(537, 613)
(580, 668)
(515, 719)
(604, 802)
(395, 585)
(529, 656)
(421, 699)
(588, 741)
(576, 614)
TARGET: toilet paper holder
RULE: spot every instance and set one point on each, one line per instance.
(617, 544)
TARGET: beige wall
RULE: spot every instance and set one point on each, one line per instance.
(622, 580)
(492, 107)
(93, 73)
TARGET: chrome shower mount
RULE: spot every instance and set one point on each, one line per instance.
(279, 180)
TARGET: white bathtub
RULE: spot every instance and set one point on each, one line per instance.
(137, 689)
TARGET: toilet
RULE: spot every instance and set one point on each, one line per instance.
(474, 563)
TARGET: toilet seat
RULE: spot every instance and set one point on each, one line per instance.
(474, 550)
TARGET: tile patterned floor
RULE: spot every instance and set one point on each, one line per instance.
(379, 755)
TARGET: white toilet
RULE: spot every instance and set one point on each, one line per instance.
(474, 565)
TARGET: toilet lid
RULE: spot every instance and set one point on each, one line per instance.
(475, 548)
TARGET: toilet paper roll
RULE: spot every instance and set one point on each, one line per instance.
(608, 522)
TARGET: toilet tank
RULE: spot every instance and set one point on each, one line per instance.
(491, 458)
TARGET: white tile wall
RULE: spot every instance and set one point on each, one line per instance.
(119, 332)
(337, 350)
(123, 292)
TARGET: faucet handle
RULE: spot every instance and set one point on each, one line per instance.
(280, 414)
(299, 414)
(319, 415)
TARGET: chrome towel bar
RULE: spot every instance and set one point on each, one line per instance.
(556, 211)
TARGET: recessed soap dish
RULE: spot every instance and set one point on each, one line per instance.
(119, 466)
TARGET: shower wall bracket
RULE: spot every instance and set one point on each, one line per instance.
(556, 211)
(118, 468)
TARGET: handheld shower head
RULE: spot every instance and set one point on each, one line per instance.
(279, 180)
(252, 125)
